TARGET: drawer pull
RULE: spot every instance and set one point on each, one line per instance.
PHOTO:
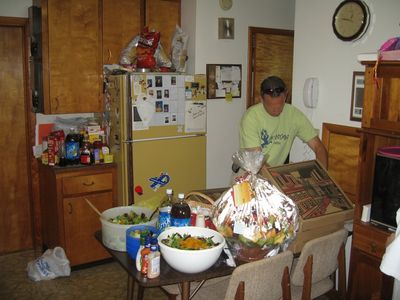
(88, 184)
(374, 247)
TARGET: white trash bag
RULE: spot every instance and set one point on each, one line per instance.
(53, 263)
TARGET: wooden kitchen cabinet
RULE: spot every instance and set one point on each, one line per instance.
(71, 56)
(163, 16)
(125, 19)
(67, 219)
(381, 108)
(78, 37)
(122, 21)
(380, 128)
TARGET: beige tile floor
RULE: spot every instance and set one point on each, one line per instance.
(105, 281)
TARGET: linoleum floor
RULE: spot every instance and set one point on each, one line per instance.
(104, 281)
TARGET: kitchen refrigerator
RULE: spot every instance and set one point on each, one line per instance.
(156, 125)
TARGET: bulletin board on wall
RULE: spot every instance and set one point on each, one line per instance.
(224, 81)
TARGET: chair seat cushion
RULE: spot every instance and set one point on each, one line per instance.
(319, 288)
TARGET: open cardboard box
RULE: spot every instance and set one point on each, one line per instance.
(323, 206)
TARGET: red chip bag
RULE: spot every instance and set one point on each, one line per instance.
(147, 45)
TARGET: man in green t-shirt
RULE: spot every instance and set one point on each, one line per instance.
(272, 125)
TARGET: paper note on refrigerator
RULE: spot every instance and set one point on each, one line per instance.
(195, 116)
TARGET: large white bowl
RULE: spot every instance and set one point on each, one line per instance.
(191, 261)
(114, 235)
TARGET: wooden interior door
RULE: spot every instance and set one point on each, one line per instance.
(270, 53)
(15, 199)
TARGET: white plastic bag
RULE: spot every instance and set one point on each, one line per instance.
(179, 50)
(53, 263)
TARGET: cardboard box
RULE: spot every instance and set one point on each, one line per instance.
(323, 206)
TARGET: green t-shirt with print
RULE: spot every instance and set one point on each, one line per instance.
(275, 135)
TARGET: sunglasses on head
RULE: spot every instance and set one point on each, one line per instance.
(274, 92)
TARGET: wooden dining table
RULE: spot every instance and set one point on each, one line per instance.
(167, 274)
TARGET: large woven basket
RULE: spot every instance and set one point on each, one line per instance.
(197, 199)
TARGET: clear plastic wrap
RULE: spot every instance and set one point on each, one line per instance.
(256, 219)
(128, 55)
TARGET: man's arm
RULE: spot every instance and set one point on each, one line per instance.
(319, 150)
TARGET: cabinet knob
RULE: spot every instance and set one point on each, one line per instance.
(69, 208)
(88, 184)
(374, 247)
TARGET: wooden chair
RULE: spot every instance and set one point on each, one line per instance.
(263, 279)
(313, 274)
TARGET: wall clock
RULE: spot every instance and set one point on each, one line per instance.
(350, 20)
(225, 4)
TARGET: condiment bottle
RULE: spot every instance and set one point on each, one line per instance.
(85, 151)
(164, 216)
(153, 270)
(180, 212)
(139, 254)
(145, 256)
(62, 155)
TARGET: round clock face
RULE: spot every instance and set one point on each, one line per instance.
(350, 20)
(225, 4)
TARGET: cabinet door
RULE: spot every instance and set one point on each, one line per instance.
(122, 21)
(366, 281)
(72, 56)
(381, 108)
(80, 224)
(163, 16)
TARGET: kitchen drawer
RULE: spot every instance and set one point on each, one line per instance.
(369, 240)
(87, 183)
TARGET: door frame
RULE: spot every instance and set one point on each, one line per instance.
(30, 123)
(252, 31)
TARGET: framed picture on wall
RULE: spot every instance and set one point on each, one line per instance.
(357, 96)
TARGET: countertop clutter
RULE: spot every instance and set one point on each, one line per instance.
(78, 145)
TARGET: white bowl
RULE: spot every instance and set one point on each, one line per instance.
(191, 261)
(114, 235)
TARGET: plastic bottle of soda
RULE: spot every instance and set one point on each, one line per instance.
(164, 217)
(180, 212)
(72, 149)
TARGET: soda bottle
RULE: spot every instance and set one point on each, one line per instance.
(72, 149)
(180, 212)
(164, 217)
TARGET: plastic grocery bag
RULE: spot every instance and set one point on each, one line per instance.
(53, 263)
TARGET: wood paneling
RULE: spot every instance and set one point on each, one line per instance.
(15, 220)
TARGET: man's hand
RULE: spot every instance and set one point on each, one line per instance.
(319, 150)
